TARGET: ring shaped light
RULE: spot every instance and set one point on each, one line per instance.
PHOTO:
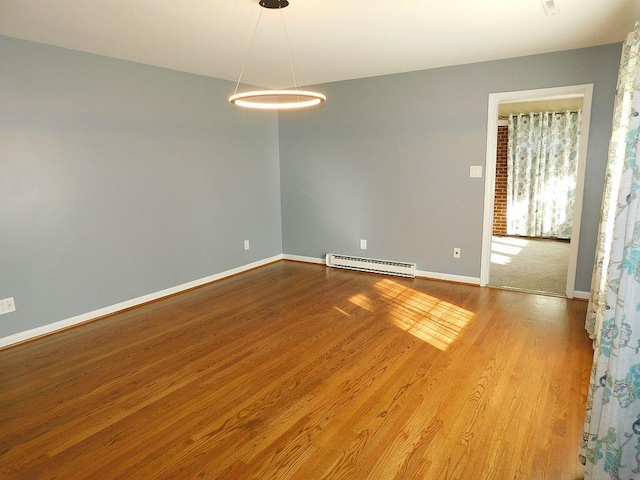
(273, 99)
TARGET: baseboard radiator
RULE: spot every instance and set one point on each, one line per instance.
(373, 265)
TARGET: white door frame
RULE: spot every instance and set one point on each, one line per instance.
(495, 99)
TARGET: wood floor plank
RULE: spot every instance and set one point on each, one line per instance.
(297, 371)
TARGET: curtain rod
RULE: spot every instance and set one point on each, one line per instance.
(505, 117)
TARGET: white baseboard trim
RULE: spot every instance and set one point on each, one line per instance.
(86, 317)
(300, 258)
(448, 277)
(582, 295)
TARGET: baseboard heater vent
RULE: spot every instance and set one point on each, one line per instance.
(387, 267)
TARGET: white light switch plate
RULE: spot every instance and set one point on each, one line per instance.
(7, 305)
(475, 171)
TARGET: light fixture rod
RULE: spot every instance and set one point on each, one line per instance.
(286, 34)
(246, 57)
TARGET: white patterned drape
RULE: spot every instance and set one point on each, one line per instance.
(542, 166)
(611, 438)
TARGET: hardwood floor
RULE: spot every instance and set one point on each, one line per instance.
(298, 371)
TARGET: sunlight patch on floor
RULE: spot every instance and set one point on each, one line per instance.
(518, 242)
(362, 301)
(346, 314)
(506, 249)
(500, 259)
(426, 317)
(503, 248)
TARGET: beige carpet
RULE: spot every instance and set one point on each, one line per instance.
(537, 265)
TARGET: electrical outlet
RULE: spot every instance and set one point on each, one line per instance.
(7, 305)
(246, 244)
(363, 244)
(456, 253)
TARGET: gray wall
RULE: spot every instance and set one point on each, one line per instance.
(119, 179)
(387, 159)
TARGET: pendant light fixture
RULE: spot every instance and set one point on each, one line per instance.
(291, 99)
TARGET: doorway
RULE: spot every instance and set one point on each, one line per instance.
(512, 254)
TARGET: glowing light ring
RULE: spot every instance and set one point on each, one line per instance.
(305, 99)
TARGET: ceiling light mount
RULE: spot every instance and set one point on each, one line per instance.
(291, 99)
(274, 3)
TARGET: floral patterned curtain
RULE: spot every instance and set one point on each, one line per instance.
(542, 165)
(611, 438)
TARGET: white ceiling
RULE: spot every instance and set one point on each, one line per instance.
(331, 39)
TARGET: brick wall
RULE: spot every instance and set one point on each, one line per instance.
(500, 198)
